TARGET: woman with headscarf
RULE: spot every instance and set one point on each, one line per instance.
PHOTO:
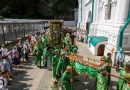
(120, 57)
(15, 56)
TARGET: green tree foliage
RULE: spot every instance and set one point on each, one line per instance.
(36, 8)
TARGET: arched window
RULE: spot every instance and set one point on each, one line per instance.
(108, 10)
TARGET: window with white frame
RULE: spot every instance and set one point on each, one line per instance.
(108, 8)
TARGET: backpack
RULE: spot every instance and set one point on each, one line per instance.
(1, 84)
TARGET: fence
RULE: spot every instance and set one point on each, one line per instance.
(12, 30)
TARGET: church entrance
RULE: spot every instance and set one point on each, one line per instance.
(101, 50)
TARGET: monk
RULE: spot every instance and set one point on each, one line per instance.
(109, 61)
(67, 79)
(101, 78)
(37, 53)
(55, 60)
(67, 41)
(64, 61)
(124, 83)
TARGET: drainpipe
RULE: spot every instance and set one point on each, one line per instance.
(123, 29)
(92, 9)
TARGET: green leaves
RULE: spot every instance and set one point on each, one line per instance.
(47, 9)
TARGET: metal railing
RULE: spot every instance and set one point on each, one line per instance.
(11, 31)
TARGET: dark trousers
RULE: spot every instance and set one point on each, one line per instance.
(25, 56)
(119, 64)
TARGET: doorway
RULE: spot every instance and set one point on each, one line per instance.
(101, 50)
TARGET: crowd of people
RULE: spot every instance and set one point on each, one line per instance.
(12, 59)
(56, 58)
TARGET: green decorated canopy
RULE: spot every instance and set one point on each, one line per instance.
(94, 40)
(82, 69)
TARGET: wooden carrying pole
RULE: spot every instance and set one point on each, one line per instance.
(116, 67)
(115, 76)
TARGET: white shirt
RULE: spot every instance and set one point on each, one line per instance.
(4, 51)
(4, 87)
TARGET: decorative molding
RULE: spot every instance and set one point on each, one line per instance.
(90, 1)
(114, 3)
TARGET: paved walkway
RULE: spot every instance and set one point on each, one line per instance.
(84, 51)
(27, 77)
(32, 78)
(83, 83)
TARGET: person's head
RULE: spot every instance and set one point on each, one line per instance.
(69, 68)
(67, 48)
(127, 66)
(15, 48)
(63, 55)
(67, 35)
(109, 54)
(56, 52)
(3, 45)
(4, 73)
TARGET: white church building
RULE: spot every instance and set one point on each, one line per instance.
(84, 15)
(110, 25)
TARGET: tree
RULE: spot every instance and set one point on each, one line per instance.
(36, 8)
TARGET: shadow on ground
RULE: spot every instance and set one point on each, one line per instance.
(84, 83)
(20, 78)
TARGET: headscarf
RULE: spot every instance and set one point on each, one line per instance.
(120, 53)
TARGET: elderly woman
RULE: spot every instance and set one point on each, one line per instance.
(120, 57)
(15, 56)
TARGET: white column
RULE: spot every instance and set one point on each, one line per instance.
(95, 11)
(82, 19)
(79, 13)
(113, 11)
(103, 14)
(122, 10)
